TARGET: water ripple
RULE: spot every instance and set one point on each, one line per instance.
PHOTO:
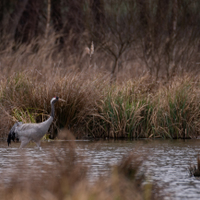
(166, 162)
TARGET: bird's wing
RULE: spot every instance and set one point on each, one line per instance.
(33, 131)
(28, 131)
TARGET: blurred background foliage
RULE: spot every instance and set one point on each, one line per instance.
(162, 36)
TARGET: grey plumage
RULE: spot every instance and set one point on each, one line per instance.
(32, 131)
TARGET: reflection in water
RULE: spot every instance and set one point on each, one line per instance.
(166, 161)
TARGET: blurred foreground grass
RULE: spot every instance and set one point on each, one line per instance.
(67, 178)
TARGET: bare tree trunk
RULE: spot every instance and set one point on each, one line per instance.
(15, 17)
(74, 16)
(2, 7)
(27, 26)
(97, 7)
(75, 23)
(161, 22)
(57, 19)
(146, 35)
(172, 63)
(113, 71)
(48, 20)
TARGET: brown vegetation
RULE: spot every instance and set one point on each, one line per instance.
(159, 37)
(141, 79)
(139, 107)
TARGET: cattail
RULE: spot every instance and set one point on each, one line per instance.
(87, 50)
(92, 49)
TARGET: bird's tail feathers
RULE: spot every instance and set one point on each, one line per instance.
(9, 138)
(11, 135)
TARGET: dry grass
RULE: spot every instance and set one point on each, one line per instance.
(135, 108)
(23, 98)
(177, 114)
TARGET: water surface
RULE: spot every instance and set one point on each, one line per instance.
(165, 161)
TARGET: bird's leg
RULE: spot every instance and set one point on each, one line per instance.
(24, 143)
(38, 144)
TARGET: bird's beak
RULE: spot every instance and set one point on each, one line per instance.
(62, 100)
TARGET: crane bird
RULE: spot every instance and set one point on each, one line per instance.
(32, 131)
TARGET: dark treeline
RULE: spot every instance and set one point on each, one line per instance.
(163, 34)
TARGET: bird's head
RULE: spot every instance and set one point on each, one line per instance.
(55, 99)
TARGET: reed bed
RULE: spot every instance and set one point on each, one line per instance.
(137, 107)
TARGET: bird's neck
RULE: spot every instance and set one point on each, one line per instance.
(52, 110)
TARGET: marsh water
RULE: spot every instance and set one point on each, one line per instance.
(165, 161)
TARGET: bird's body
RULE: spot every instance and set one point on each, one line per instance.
(31, 131)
